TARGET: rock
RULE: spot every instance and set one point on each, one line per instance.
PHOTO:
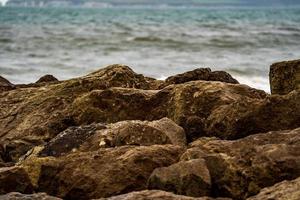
(285, 77)
(33, 115)
(204, 74)
(102, 173)
(95, 136)
(47, 78)
(141, 133)
(241, 168)
(14, 179)
(250, 116)
(286, 190)
(188, 104)
(19, 196)
(190, 178)
(70, 140)
(5, 85)
(157, 195)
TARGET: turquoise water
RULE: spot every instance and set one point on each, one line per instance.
(158, 42)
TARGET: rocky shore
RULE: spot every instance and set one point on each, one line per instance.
(118, 135)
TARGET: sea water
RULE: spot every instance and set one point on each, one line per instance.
(155, 41)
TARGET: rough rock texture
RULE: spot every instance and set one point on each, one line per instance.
(249, 116)
(116, 132)
(188, 104)
(47, 78)
(190, 178)
(70, 140)
(95, 136)
(286, 190)
(204, 74)
(241, 168)
(101, 173)
(140, 133)
(157, 195)
(14, 179)
(5, 85)
(285, 77)
(19, 196)
(31, 115)
(34, 115)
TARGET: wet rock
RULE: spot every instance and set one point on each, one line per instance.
(286, 190)
(47, 78)
(5, 85)
(70, 140)
(19, 196)
(249, 116)
(14, 179)
(190, 178)
(241, 168)
(285, 77)
(140, 133)
(157, 195)
(103, 173)
(204, 74)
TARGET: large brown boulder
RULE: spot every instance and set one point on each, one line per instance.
(95, 136)
(285, 190)
(285, 77)
(249, 116)
(190, 178)
(5, 85)
(157, 195)
(139, 133)
(19, 196)
(14, 179)
(204, 74)
(241, 168)
(102, 173)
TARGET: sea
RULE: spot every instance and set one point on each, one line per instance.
(157, 41)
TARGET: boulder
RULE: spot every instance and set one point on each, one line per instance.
(32, 115)
(102, 173)
(285, 77)
(69, 140)
(46, 79)
(35, 196)
(204, 74)
(250, 116)
(14, 179)
(285, 190)
(190, 178)
(5, 85)
(157, 195)
(241, 168)
(188, 104)
(135, 132)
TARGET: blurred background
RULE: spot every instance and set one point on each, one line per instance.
(159, 38)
